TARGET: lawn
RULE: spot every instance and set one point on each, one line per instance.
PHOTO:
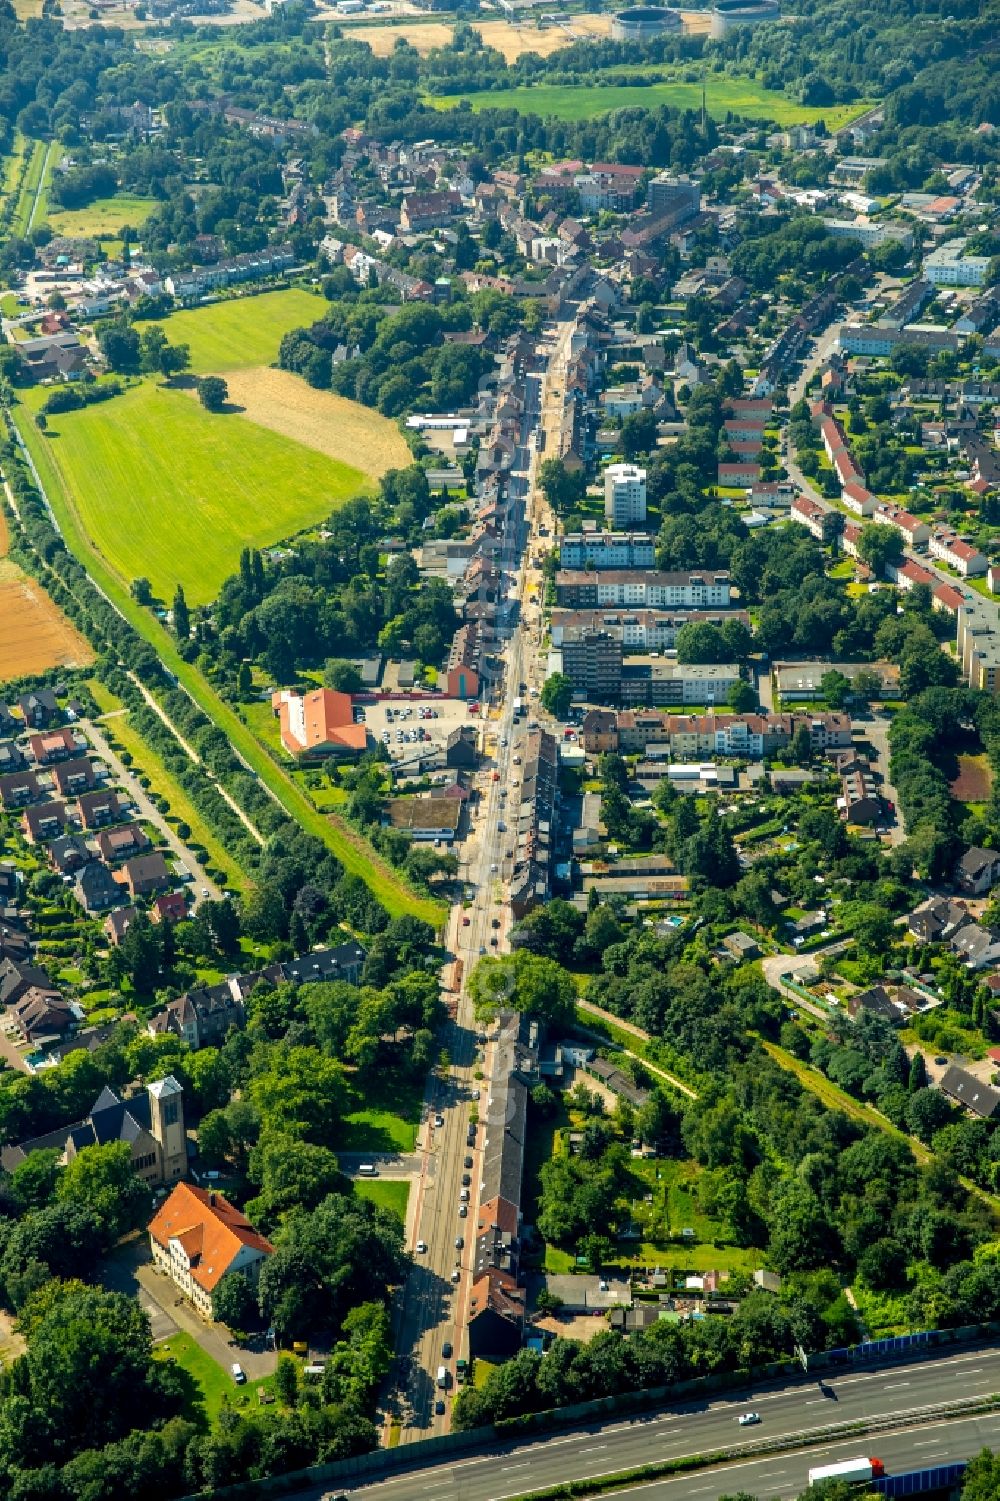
(385, 1118)
(243, 331)
(122, 735)
(387, 1194)
(172, 493)
(104, 218)
(741, 96)
(210, 1386)
(355, 854)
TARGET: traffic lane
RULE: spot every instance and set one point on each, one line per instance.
(691, 1428)
(781, 1476)
(767, 1476)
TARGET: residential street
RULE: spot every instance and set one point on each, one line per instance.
(151, 814)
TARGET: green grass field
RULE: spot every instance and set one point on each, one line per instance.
(103, 218)
(30, 188)
(387, 1194)
(172, 493)
(355, 854)
(738, 96)
(243, 332)
(210, 1388)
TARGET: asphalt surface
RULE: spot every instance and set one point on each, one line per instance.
(894, 1390)
(432, 1308)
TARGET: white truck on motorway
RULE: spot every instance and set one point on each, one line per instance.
(848, 1469)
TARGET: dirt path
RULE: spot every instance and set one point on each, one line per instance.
(637, 1032)
(193, 755)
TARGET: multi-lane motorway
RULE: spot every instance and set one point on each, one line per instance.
(432, 1309)
(890, 1392)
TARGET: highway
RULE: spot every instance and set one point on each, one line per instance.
(431, 1310)
(786, 1408)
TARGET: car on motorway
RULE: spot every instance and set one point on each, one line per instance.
(439, 1121)
(495, 922)
(494, 868)
(421, 1247)
(501, 827)
(466, 921)
(749, 1419)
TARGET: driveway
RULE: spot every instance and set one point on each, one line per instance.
(130, 1270)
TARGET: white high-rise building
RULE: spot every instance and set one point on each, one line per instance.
(624, 495)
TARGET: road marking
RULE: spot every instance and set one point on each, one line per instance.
(524, 1466)
(592, 1449)
(896, 1386)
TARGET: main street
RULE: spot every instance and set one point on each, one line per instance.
(891, 1391)
(432, 1308)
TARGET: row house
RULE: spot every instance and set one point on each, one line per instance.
(910, 527)
(738, 473)
(607, 550)
(959, 554)
(57, 745)
(850, 537)
(420, 211)
(534, 847)
(857, 498)
(649, 590)
(639, 630)
(859, 801)
(696, 736)
(820, 520)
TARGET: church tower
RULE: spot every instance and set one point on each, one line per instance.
(166, 1112)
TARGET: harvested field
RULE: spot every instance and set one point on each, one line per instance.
(974, 781)
(342, 429)
(34, 633)
(512, 40)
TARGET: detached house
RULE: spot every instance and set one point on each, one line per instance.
(198, 1237)
(978, 871)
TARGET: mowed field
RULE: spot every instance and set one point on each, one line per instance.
(170, 492)
(34, 633)
(102, 219)
(331, 424)
(740, 96)
(244, 331)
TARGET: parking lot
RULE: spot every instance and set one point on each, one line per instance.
(413, 725)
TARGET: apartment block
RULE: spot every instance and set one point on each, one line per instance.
(625, 495)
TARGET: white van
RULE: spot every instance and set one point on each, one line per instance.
(442, 1376)
(239, 1375)
(367, 1170)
